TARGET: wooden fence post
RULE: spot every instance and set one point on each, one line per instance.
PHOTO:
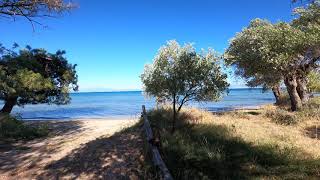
(156, 157)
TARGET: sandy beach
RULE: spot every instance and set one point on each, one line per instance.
(84, 149)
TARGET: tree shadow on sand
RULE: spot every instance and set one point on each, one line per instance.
(117, 157)
(27, 154)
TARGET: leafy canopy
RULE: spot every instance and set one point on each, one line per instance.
(269, 51)
(180, 74)
(36, 76)
(252, 53)
(264, 50)
(307, 15)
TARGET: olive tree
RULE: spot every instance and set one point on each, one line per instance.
(286, 51)
(179, 74)
(247, 52)
(271, 50)
(308, 21)
(33, 76)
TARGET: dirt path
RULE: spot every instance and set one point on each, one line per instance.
(76, 150)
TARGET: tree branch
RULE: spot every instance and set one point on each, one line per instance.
(31, 9)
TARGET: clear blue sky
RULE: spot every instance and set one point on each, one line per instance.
(112, 40)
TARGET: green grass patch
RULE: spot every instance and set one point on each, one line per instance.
(211, 151)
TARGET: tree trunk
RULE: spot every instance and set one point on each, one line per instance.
(302, 89)
(291, 84)
(174, 115)
(9, 104)
(277, 93)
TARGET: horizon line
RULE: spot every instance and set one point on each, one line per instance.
(140, 90)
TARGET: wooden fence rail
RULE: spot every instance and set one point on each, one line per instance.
(156, 157)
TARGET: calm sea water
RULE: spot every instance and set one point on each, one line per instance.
(128, 104)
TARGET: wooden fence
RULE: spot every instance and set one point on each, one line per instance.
(156, 157)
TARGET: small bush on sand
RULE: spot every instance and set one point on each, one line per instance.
(282, 117)
(11, 127)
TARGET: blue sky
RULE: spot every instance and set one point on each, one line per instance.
(112, 40)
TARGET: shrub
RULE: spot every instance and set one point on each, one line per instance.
(11, 127)
(311, 110)
(282, 117)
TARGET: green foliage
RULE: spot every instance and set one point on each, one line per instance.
(11, 127)
(264, 52)
(208, 151)
(36, 76)
(180, 74)
(307, 15)
(314, 81)
(308, 21)
(245, 53)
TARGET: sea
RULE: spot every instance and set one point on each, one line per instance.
(127, 104)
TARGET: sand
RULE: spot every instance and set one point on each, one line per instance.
(81, 149)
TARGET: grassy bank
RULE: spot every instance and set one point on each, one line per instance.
(240, 144)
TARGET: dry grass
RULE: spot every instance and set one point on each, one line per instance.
(256, 127)
(205, 143)
(253, 126)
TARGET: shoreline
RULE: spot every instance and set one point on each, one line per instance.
(101, 118)
(120, 105)
(137, 117)
(82, 119)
